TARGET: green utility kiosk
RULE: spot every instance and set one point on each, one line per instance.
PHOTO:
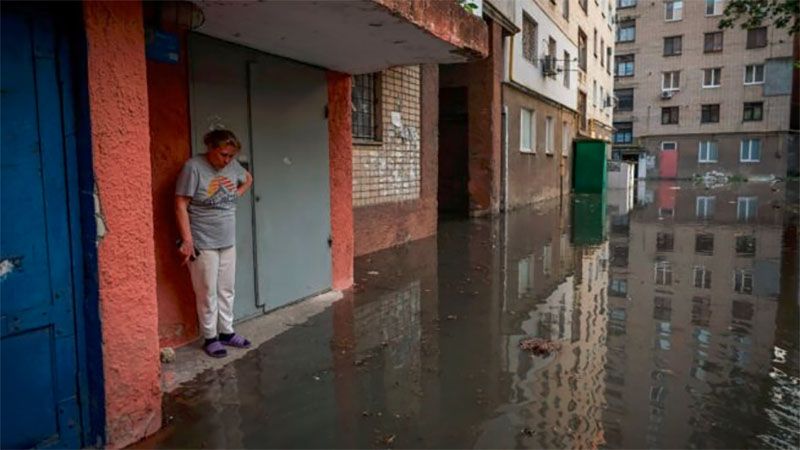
(589, 175)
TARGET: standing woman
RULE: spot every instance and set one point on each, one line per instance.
(205, 206)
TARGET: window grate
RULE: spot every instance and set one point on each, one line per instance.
(365, 106)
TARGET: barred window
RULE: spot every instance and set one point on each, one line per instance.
(530, 35)
(365, 106)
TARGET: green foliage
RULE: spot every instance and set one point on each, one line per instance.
(756, 13)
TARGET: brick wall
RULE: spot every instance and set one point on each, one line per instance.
(389, 171)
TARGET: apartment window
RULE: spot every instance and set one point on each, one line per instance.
(602, 53)
(618, 287)
(566, 138)
(623, 132)
(530, 38)
(662, 309)
(701, 311)
(670, 115)
(582, 44)
(704, 207)
(582, 110)
(567, 71)
(743, 281)
(746, 246)
(746, 208)
(584, 5)
(707, 152)
(608, 58)
(712, 77)
(665, 242)
(673, 10)
(626, 31)
(549, 135)
(712, 42)
(671, 81)
(754, 74)
(753, 111)
(713, 7)
(594, 93)
(673, 45)
(750, 150)
(565, 8)
(704, 243)
(709, 113)
(625, 4)
(669, 146)
(624, 99)
(527, 135)
(663, 273)
(702, 277)
(525, 276)
(365, 99)
(757, 37)
(594, 43)
(624, 65)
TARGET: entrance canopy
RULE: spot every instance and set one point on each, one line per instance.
(351, 36)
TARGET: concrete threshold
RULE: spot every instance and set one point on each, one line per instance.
(190, 360)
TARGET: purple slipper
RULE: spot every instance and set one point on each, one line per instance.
(215, 350)
(237, 340)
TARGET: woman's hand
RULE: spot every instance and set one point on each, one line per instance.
(186, 250)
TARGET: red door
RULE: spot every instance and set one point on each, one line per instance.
(668, 160)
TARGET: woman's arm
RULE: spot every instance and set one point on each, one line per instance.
(182, 215)
(248, 181)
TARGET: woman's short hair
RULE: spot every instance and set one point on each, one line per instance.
(221, 138)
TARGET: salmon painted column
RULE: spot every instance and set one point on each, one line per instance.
(341, 175)
(118, 110)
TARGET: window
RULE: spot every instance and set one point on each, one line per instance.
(704, 207)
(602, 53)
(530, 38)
(665, 242)
(547, 259)
(673, 10)
(565, 8)
(702, 277)
(670, 115)
(712, 42)
(624, 65)
(365, 106)
(594, 93)
(549, 135)
(709, 113)
(712, 77)
(753, 111)
(671, 81)
(713, 7)
(741, 310)
(757, 37)
(746, 246)
(527, 133)
(707, 152)
(594, 43)
(754, 74)
(582, 49)
(746, 208)
(743, 281)
(662, 308)
(584, 4)
(750, 150)
(625, 4)
(624, 99)
(608, 58)
(669, 146)
(623, 132)
(673, 45)
(663, 273)
(567, 64)
(704, 243)
(618, 287)
(525, 276)
(566, 138)
(582, 122)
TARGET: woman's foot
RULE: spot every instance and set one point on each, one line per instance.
(234, 340)
(214, 348)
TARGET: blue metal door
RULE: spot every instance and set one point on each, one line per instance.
(40, 369)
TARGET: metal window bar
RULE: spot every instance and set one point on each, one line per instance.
(364, 106)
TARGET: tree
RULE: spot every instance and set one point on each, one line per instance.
(753, 13)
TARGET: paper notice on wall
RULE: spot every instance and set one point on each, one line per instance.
(396, 119)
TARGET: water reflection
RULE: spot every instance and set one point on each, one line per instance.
(676, 318)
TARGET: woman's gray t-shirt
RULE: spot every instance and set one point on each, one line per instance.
(212, 209)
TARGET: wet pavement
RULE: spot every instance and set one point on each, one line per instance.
(676, 315)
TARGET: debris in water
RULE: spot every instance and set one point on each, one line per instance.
(452, 317)
(373, 272)
(527, 432)
(539, 346)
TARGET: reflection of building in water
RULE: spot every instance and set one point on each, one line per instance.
(693, 297)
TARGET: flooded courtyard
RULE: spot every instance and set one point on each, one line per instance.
(675, 309)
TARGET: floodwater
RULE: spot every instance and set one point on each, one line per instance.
(676, 313)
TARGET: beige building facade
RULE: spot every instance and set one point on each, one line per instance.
(691, 98)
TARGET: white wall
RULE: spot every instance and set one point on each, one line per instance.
(525, 73)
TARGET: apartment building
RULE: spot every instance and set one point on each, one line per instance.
(691, 98)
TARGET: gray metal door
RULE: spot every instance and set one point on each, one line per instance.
(292, 192)
(219, 97)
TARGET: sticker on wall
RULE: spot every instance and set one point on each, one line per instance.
(396, 119)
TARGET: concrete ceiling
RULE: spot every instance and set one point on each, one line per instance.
(351, 36)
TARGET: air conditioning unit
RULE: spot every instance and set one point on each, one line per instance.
(549, 66)
(666, 95)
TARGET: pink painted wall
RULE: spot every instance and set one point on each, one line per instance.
(121, 156)
(340, 148)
